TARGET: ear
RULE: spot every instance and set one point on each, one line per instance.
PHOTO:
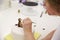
(44, 4)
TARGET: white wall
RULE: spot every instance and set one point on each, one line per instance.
(4, 4)
(1, 2)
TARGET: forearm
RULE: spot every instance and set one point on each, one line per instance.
(49, 36)
(29, 36)
(27, 27)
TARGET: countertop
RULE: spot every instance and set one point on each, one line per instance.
(9, 17)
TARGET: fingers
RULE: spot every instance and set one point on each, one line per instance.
(24, 22)
(27, 24)
(27, 21)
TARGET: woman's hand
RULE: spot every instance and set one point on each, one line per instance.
(27, 25)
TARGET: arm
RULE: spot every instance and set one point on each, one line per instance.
(27, 26)
(56, 35)
(29, 36)
(49, 36)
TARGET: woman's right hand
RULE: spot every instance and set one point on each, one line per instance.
(27, 25)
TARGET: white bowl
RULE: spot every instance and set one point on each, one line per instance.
(29, 10)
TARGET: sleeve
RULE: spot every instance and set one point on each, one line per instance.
(56, 35)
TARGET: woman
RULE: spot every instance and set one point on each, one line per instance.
(53, 8)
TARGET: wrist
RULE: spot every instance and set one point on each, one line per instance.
(27, 31)
(29, 35)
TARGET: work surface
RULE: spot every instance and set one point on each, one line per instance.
(9, 17)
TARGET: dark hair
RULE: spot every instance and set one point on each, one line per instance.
(55, 4)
